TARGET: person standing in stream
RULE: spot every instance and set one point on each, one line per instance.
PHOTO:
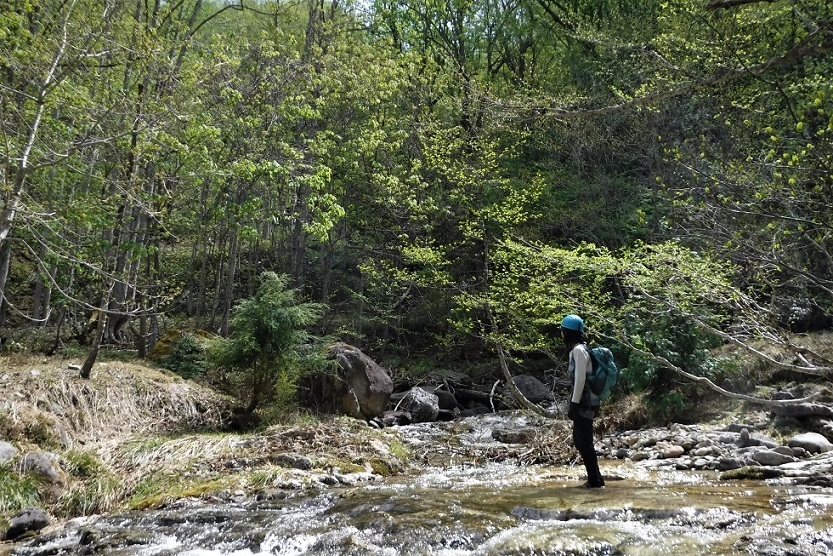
(583, 403)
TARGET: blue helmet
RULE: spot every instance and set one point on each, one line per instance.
(573, 322)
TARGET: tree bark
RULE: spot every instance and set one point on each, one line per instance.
(86, 368)
(5, 267)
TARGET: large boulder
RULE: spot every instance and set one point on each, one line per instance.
(47, 466)
(446, 398)
(801, 314)
(813, 442)
(771, 457)
(366, 387)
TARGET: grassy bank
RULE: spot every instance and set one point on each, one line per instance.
(134, 437)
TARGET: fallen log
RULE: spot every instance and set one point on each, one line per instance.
(803, 410)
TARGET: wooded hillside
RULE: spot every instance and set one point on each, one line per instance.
(441, 176)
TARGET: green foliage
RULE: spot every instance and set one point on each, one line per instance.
(188, 358)
(17, 491)
(676, 339)
(646, 302)
(82, 464)
(269, 345)
(398, 173)
(748, 171)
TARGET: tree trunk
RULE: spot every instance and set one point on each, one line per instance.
(41, 296)
(228, 293)
(87, 367)
(141, 341)
(5, 267)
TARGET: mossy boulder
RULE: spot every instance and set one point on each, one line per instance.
(166, 343)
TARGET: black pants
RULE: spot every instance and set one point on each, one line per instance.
(583, 439)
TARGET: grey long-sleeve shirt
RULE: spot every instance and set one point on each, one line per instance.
(579, 364)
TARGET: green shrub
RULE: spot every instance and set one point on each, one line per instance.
(188, 359)
(82, 464)
(269, 347)
(670, 396)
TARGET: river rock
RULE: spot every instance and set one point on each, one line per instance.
(813, 442)
(423, 406)
(453, 378)
(447, 415)
(396, 418)
(533, 389)
(473, 411)
(804, 409)
(446, 399)
(771, 458)
(7, 452)
(671, 452)
(738, 427)
(727, 464)
(294, 461)
(800, 452)
(510, 436)
(747, 440)
(26, 520)
(46, 465)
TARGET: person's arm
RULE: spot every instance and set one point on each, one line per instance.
(582, 362)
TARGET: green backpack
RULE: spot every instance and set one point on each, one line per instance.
(602, 378)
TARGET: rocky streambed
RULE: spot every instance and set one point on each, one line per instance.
(471, 491)
(451, 481)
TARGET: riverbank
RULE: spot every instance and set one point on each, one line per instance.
(135, 437)
(457, 505)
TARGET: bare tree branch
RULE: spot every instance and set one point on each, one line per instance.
(707, 382)
(728, 4)
(803, 49)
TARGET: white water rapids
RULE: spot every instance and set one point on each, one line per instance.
(485, 509)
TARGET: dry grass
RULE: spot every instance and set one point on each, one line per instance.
(119, 399)
(45, 405)
(134, 436)
(157, 470)
(819, 344)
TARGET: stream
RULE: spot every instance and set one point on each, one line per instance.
(488, 509)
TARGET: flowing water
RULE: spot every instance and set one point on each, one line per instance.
(491, 509)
